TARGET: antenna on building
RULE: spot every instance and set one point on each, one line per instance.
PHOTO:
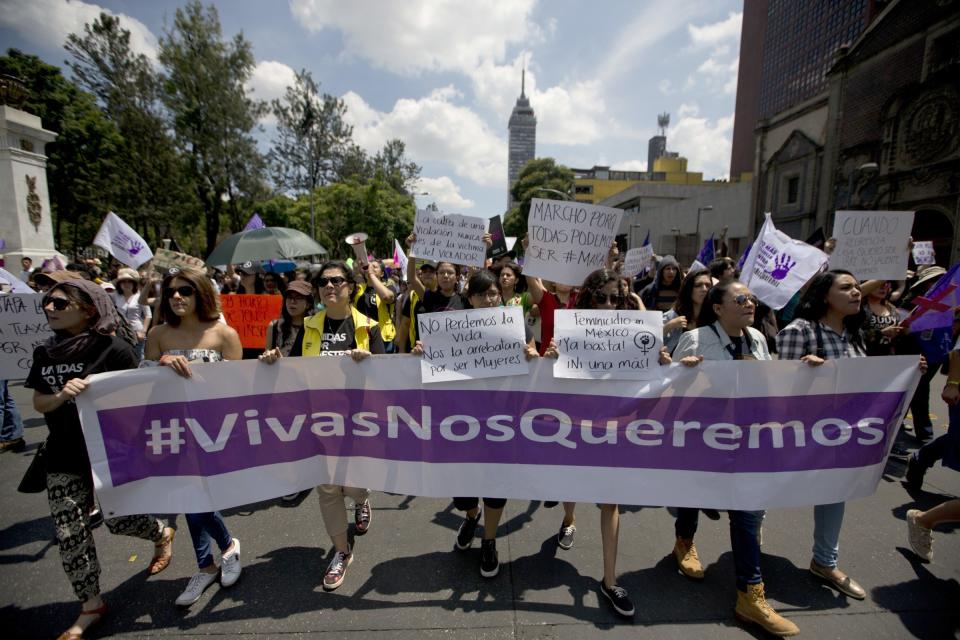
(523, 78)
(663, 121)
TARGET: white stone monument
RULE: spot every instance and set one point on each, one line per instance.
(25, 218)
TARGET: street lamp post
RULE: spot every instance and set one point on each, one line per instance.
(676, 245)
(564, 196)
(700, 210)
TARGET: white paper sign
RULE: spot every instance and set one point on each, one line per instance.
(16, 284)
(778, 266)
(608, 344)
(451, 237)
(476, 343)
(23, 326)
(637, 259)
(568, 240)
(872, 245)
(923, 252)
(123, 243)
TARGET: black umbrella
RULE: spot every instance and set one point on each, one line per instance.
(267, 243)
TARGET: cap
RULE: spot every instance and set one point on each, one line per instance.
(108, 287)
(300, 286)
(247, 268)
(428, 264)
(127, 274)
(56, 277)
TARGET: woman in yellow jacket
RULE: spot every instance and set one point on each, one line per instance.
(339, 330)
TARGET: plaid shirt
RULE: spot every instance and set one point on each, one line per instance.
(799, 338)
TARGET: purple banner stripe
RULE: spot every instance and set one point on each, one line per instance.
(442, 426)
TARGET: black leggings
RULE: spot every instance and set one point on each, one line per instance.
(466, 504)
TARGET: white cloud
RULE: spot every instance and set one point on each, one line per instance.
(48, 22)
(666, 87)
(435, 130)
(445, 193)
(270, 80)
(720, 75)
(711, 35)
(630, 165)
(719, 71)
(704, 143)
(423, 35)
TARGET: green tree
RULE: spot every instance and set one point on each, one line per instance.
(393, 167)
(212, 115)
(536, 175)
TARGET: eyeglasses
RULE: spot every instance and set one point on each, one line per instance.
(59, 304)
(602, 298)
(335, 281)
(185, 291)
(743, 299)
(487, 295)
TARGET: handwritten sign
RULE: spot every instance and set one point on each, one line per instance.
(568, 240)
(872, 245)
(23, 326)
(451, 237)
(607, 344)
(923, 253)
(477, 343)
(164, 259)
(636, 259)
(250, 314)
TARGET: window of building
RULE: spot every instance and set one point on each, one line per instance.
(793, 189)
(584, 188)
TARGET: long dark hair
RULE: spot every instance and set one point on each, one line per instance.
(286, 320)
(207, 303)
(684, 302)
(594, 283)
(521, 284)
(813, 304)
(715, 296)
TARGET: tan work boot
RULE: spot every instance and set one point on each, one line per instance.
(686, 554)
(752, 607)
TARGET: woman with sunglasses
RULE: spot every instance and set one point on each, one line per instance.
(285, 334)
(339, 330)
(83, 319)
(724, 332)
(190, 331)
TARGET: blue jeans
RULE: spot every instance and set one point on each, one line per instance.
(744, 528)
(203, 527)
(11, 427)
(827, 521)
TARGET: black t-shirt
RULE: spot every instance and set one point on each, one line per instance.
(340, 335)
(367, 303)
(436, 301)
(418, 309)
(66, 449)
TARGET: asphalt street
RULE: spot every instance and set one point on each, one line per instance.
(407, 580)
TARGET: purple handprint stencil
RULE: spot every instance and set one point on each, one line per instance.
(135, 247)
(782, 266)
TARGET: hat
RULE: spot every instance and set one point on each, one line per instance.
(56, 277)
(247, 268)
(300, 286)
(108, 287)
(428, 264)
(930, 273)
(127, 274)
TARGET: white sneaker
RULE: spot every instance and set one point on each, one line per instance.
(921, 538)
(195, 588)
(230, 565)
(337, 570)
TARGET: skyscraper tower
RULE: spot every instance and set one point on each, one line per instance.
(522, 138)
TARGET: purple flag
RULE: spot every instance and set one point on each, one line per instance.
(706, 255)
(743, 258)
(254, 223)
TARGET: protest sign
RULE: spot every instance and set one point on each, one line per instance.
(724, 435)
(476, 343)
(23, 326)
(451, 237)
(164, 259)
(636, 260)
(923, 253)
(777, 266)
(499, 246)
(250, 314)
(608, 344)
(16, 284)
(872, 245)
(123, 243)
(568, 240)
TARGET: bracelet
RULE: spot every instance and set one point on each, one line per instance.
(952, 383)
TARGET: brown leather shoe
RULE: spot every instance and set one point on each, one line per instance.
(164, 552)
(846, 586)
(17, 444)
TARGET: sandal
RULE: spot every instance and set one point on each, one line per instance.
(164, 552)
(99, 612)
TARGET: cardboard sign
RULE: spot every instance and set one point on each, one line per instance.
(568, 240)
(499, 246)
(450, 237)
(607, 344)
(165, 259)
(23, 327)
(637, 259)
(872, 245)
(923, 253)
(250, 314)
(477, 343)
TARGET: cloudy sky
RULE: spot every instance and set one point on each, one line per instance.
(443, 75)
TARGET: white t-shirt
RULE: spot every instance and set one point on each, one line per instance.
(132, 310)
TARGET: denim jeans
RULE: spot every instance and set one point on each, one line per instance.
(685, 525)
(11, 427)
(827, 521)
(744, 529)
(203, 527)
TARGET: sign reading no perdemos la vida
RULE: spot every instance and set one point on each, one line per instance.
(568, 240)
(476, 343)
(450, 237)
(608, 344)
(23, 327)
(872, 245)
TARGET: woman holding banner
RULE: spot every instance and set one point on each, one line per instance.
(682, 317)
(190, 331)
(339, 329)
(725, 333)
(285, 334)
(83, 319)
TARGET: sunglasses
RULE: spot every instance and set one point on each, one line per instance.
(185, 291)
(335, 281)
(59, 304)
(743, 299)
(603, 298)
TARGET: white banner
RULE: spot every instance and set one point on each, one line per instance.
(123, 243)
(608, 345)
(872, 245)
(568, 240)
(476, 343)
(451, 237)
(23, 326)
(778, 266)
(636, 259)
